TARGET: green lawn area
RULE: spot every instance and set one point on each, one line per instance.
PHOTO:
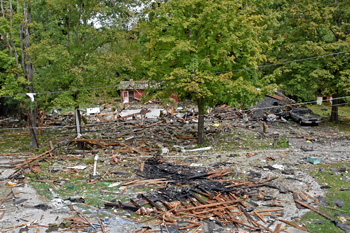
(325, 110)
(339, 189)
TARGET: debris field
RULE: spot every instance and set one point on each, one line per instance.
(200, 192)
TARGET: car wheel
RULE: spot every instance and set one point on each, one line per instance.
(300, 122)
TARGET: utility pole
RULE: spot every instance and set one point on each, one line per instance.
(78, 126)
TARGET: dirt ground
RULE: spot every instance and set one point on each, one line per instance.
(26, 211)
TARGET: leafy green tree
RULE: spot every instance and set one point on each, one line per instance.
(15, 21)
(60, 45)
(310, 29)
(192, 43)
(83, 44)
(76, 45)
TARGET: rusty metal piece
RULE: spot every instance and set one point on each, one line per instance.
(34, 158)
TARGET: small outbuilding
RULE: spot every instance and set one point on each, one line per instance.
(131, 91)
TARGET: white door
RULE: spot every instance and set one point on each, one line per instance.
(125, 95)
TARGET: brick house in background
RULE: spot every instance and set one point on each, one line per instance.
(131, 91)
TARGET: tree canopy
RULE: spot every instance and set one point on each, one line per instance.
(310, 29)
(194, 45)
(208, 51)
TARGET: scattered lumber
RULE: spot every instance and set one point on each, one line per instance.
(192, 196)
(35, 158)
(147, 182)
(292, 224)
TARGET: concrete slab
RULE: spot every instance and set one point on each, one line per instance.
(26, 208)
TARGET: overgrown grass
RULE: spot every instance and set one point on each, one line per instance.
(343, 125)
(325, 112)
(326, 177)
(16, 141)
(326, 109)
(240, 139)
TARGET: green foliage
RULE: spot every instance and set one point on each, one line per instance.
(64, 100)
(73, 45)
(187, 45)
(282, 142)
(307, 29)
(192, 44)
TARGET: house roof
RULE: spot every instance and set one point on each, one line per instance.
(138, 85)
(280, 96)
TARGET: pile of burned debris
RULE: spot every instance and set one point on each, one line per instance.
(190, 196)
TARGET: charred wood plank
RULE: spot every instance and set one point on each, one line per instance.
(135, 203)
(201, 175)
(199, 199)
(168, 207)
(250, 219)
(152, 203)
(121, 206)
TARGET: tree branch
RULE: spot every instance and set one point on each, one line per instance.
(11, 39)
(4, 33)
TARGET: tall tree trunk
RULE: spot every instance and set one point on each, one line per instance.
(32, 127)
(29, 75)
(69, 22)
(334, 113)
(78, 23)
(200, 121)
(20, 29)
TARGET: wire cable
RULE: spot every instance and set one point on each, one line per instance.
(215, 73)
(118, 123)
(261, 66)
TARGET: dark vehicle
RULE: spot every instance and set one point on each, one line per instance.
(304, 116)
